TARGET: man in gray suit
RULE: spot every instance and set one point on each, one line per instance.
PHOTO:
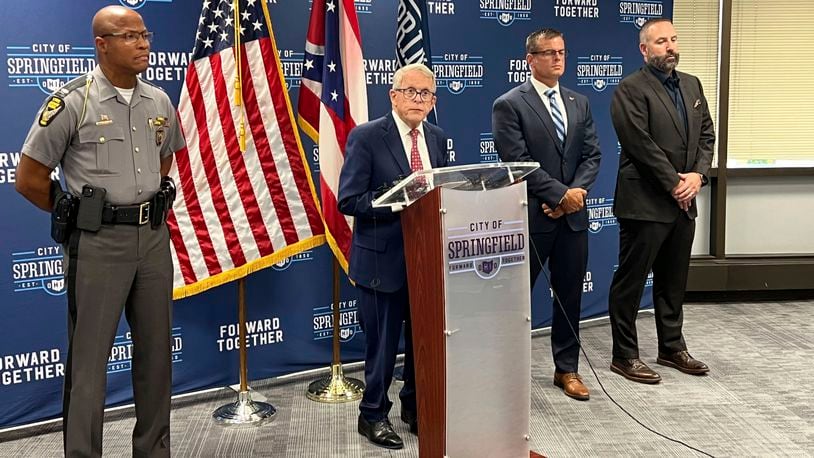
(663, 123)
(541, 121)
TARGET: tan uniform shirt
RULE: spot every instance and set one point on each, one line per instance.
(101, 140)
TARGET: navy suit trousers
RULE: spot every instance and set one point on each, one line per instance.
(381, 316)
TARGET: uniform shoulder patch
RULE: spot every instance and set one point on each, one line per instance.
(53, 106)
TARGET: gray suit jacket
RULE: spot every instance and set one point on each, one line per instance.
(524, 132)
(656, 146)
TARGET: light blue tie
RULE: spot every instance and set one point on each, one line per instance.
(556, 115)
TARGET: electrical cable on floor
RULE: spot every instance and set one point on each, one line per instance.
(585, 354)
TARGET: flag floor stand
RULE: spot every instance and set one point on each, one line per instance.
(335, 388)
(244, 411)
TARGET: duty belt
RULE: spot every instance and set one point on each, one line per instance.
(138, 214)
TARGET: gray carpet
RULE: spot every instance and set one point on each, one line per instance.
(757, 401)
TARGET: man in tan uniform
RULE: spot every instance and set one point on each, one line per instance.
(114, 136)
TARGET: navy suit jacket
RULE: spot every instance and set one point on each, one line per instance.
(524, 132)
(375, 156)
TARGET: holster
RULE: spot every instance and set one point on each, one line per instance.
(63, 215)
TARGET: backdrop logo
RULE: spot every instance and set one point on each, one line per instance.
(136, 4)
(8, 166)
(488, 152)
(307, 255)
(363, 6)
(38, 270)
(485, 247)
(291, 61)
(30, 366)
(167, 66)
(599, 71)
(638, 12)
(348, 321)
(600, 213)
(379, 71)
(583, 9)
(518, 71)
(121, 354)
(458, 71)
(505, 12)
(441, 7)
(47, 66)
(259, 333)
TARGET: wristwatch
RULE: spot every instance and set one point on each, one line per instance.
(704, 179)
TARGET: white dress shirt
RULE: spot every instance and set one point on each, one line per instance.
(541, 88)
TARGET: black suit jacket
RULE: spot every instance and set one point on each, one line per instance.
(656, 146)
(524, 132)
(375, 156)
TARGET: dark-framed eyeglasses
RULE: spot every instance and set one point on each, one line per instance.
(411, 93)
(131, 37)
(549, 53)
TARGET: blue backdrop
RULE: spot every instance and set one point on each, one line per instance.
(478, 53)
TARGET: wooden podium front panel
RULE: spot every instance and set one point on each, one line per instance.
(421, 223)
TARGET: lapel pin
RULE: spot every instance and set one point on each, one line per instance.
(697, 103)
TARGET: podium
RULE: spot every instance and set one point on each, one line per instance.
(466, 245)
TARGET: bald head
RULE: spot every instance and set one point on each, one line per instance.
(122, 44)
(111, 19)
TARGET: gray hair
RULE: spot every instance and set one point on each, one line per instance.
(398, 77)
(647, 25)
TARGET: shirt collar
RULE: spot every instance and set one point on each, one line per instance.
(108, 91)
(663, 77)
(541, 87)
(404, 129)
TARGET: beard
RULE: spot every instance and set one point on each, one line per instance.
(661, 63)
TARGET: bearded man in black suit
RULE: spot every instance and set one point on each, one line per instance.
(665, 129)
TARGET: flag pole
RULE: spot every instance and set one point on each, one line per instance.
(244, 411)
(335, 388)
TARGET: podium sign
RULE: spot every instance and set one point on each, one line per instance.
(488, 319)
(466, 245)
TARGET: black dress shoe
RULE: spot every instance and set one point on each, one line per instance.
(411, 418)
(380, 433)
(634, 369)
(682, 361)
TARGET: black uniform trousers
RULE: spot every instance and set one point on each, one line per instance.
(664, 248)
(120, 267)
(567, 254)
(381, 317)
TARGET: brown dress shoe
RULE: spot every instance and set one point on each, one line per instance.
(684, 362)
(571, 384)
(634, 369)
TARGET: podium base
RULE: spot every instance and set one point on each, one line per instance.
(335, 388)
(244, 412)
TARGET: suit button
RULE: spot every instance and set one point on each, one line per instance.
(375, 283)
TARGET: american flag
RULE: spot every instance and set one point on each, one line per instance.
(332, 101)
(237, 212)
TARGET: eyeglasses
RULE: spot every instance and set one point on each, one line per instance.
(131, 37)
(549, 53)
(411, 92)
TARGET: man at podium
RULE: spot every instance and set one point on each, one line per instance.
(541, 121)
(378, 154)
